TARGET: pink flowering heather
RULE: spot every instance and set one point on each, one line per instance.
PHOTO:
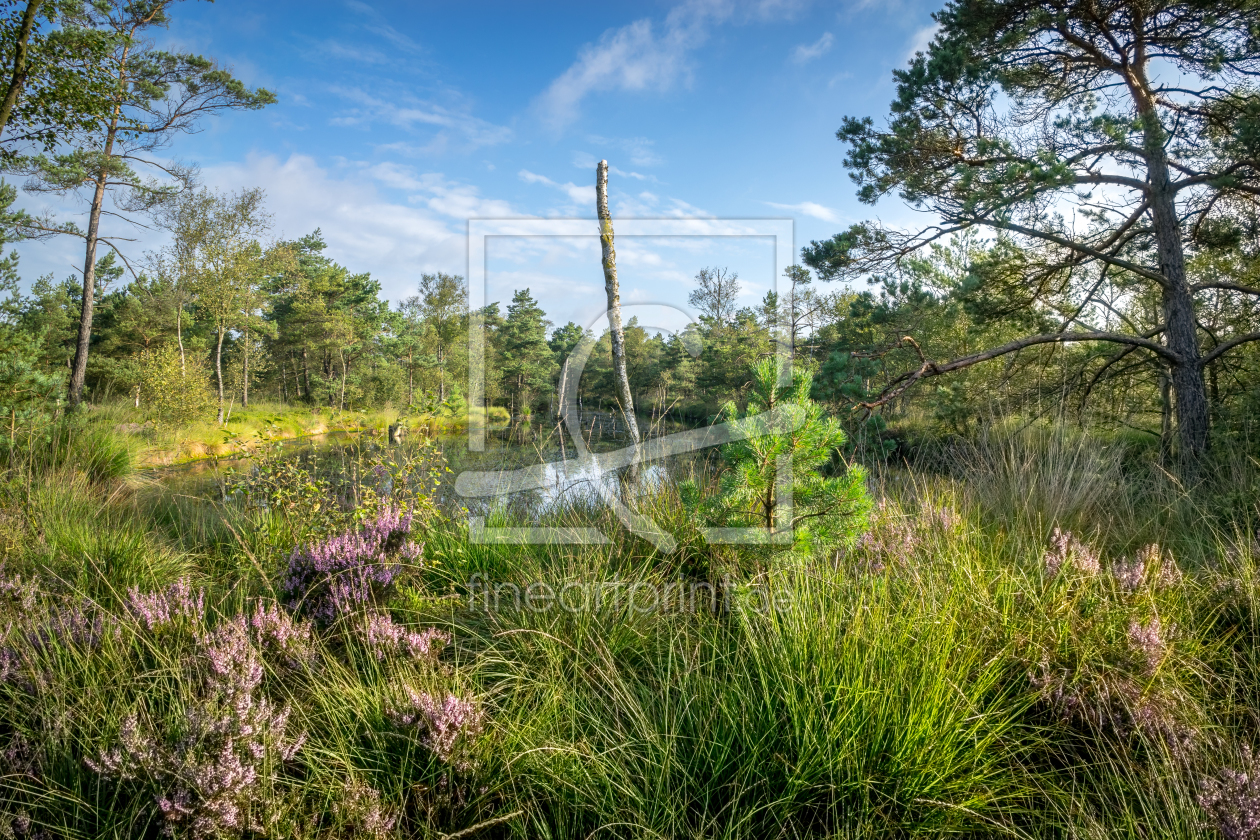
(21, 593)
(236, 665)
(890, 540)
(386, 639)
(211, 765)
(337, 576)
(1232, 799)
(945, 518)
(1149, 565)
(160, 610)
(1148, 642)
(447, 726)
(1066, 550)
(360, 810)
(278, 633)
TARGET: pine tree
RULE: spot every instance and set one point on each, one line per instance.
(526, 363)
(829, 499)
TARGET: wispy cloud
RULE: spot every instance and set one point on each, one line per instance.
(808, 52)
(376, 23)
(353, 52)
(650, 205)
(455, 128)
(434, 191)
(920, 40)
(580, 195)
(809, 208)
(647, 56)
(640, 149)
(640, 56)
(363, 229)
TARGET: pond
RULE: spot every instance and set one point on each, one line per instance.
(557, 475)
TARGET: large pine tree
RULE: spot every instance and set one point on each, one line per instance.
(1106, 139)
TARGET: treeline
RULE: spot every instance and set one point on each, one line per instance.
(223, 317)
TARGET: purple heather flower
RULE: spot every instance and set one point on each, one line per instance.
(277, 631)
(159, 610)
(889, 540)
(446, 725)
(385, 638)
(1147, 641)
(20, 592)
(945, 518)
(1232, 799)
(360, 807)
(1150, 564)
(1067, 550)
(335, 577)
(211, 769)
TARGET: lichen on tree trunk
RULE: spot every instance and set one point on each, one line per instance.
(614, 301)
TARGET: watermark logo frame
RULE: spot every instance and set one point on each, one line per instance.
(472, 484)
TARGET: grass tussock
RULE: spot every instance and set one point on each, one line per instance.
(1016, 647)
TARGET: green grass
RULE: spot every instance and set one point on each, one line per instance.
(943, 685)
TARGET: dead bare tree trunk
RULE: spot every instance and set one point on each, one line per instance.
(614, 300)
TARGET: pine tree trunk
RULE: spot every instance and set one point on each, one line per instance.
(1180, 331)
(179, 339)
(342, 399)
(306, 373)
(441, 375)
(20, 71)
(614, 301)
(78, 368)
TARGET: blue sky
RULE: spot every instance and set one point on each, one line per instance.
(399, 121)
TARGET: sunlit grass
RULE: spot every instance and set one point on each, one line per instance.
(933, 680)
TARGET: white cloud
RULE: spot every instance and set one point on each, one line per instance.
(353, 52)
(580, 195)
(808, 52)
(649, 205)
(638, 148)
(447, 198)
(364, 231)
(454, 128)
(637, 57)
(809, 208)
(920, 40)
(378, 25)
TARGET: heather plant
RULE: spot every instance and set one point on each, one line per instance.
(214, 770)
(361, 812)
(447, 726)
(1068, 552)
(352, 570)
(1231, 798)
(177, 605)
(387, 639)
